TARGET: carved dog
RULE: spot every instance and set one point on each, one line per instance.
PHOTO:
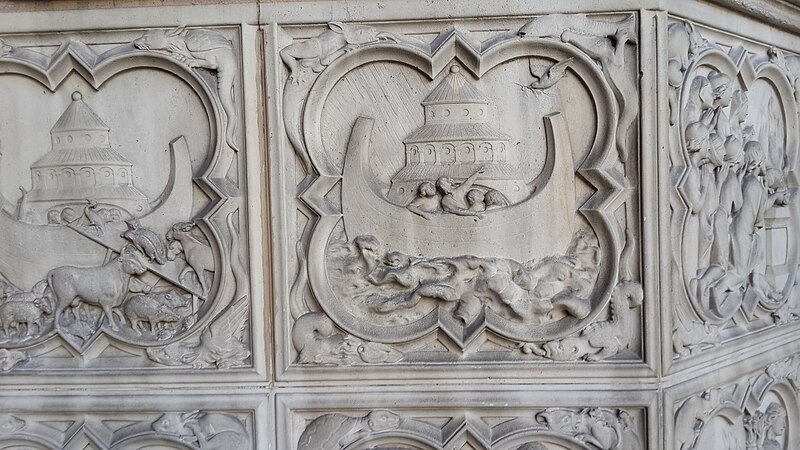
(105, 286)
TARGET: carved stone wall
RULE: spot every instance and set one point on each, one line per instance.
(400, 225)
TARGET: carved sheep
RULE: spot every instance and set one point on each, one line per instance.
(105, 286)
(14, 313)
(148, 308)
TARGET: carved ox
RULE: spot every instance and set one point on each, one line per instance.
(105, 286)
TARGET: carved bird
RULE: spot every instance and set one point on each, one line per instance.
(545, 77)
(95, 220)
(146, 241)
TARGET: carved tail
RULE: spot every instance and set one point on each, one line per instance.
(237, 265)
(297, 303)
(226, 79)
(293, 112)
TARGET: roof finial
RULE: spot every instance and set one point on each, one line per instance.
(77, 96)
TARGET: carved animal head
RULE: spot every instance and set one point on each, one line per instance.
(169, 423)
(174, 298)
(382, 420)
(166, 314)
(44, 305)
(157, 39)
(130, 262)
(355, 34)
(9, 359)
(562, 420)
(10, 424)
(567, 349)
(174, 423)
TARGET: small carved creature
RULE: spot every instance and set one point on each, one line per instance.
(599, 340)
(212, 431)
(149, 308)
(14, 313)
(336, 431)
(146, 241)
(199, 256)
(10, 424)
(546, 77)
(332, 43)
(94, 217)
(685, 340)
(203, 49)
(9, 359)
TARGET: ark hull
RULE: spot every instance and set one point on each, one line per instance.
(509, 232)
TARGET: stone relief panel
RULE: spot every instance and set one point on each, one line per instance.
(466, 196)
(123, 203)
(733, 151)
(758, 412)
(436, 426)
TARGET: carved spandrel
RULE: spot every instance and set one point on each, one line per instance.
(128, 223)
(733, 143)
(425, 210)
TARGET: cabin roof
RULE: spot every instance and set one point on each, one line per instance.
(79, 117)
(81, 156)
(455, 89)
(452, 132)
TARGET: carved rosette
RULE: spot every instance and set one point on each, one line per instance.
(106, 267)
(733, 151)
(454, 208)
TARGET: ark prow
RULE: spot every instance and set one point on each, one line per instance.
(507, 232)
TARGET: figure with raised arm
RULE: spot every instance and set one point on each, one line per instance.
(454, 200)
